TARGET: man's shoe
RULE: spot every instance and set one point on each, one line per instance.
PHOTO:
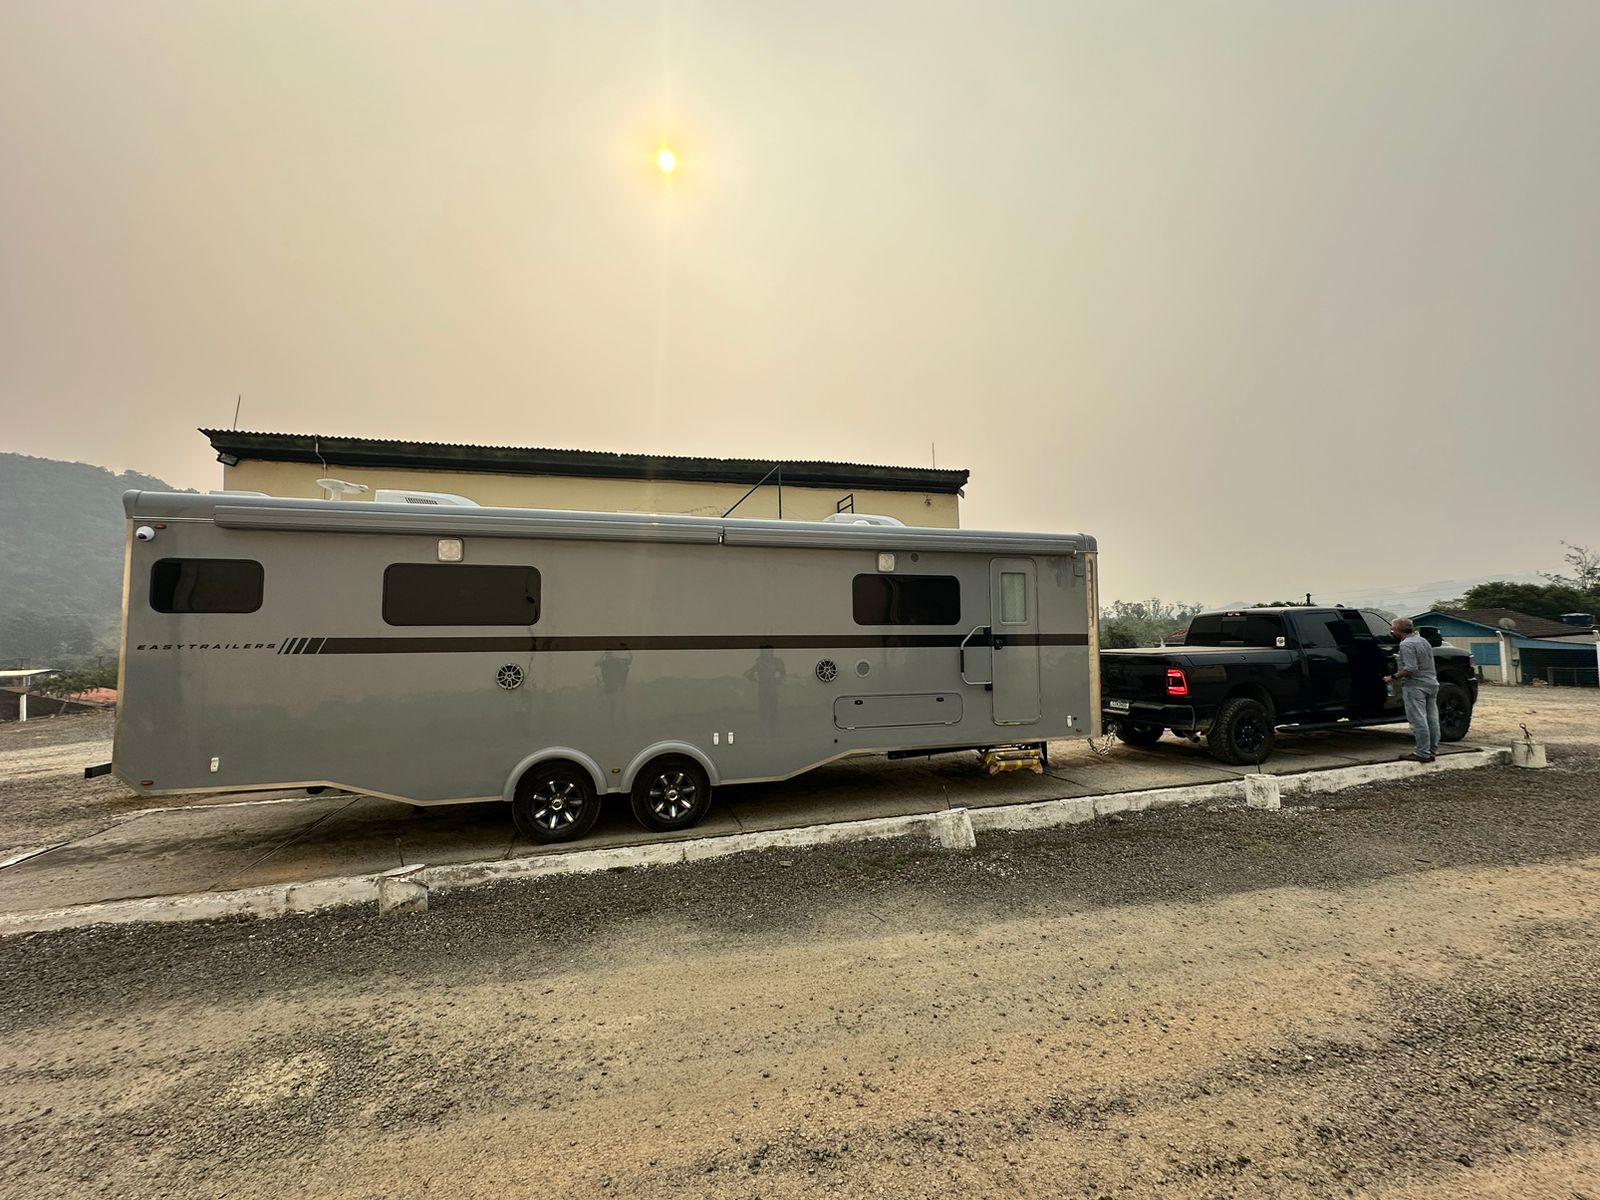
(1414, 758)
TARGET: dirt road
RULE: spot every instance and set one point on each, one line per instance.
(1394, 992)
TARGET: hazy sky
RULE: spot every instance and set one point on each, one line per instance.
(1271, 297)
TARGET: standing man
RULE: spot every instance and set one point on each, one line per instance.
(1419, 686)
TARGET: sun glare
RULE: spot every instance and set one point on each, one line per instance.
(666, 160)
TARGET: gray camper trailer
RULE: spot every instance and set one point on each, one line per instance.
(439, 655)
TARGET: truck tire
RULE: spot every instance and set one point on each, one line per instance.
(1242, 733)
(670, 793)
(1455, 712)
(1136, 734)
(555, 802)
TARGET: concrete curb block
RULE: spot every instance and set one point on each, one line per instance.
(1263, 791)
(1528, 754)
(953, 828)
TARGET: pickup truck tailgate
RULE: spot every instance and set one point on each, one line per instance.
(1133, 676)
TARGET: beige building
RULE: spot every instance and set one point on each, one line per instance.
(289, 464)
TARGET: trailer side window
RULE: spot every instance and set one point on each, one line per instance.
(451, 594)
(1013, 598)
(206, 585)
(906, 599)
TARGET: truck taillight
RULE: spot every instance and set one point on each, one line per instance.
(1177, 682)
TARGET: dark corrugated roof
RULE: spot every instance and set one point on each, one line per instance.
(591, 464)
(1526, 625)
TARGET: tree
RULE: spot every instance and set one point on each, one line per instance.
(73, 682)
(1129, 623)
(36, 638)
(1585, 577)
(1536, 599)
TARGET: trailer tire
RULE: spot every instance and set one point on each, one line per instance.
(1136, 734)
(670, 793)
(1242, 733)
(1455, 712)
(555, 802)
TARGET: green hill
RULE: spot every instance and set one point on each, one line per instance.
(61, 533)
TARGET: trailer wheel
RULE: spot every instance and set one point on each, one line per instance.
(555, 802)
(672, 792)
(1138, 735)
(1242, 733)
(1455, 712)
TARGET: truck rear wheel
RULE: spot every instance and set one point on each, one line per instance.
(1242, 733)
(1138, 735)
(670, 793)
(555, 802)
(1455, 712)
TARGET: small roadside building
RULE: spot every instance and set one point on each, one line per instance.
(1516, 647)
(290, 464)
(15, 694)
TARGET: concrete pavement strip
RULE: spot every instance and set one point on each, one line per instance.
(19, 856)
(955, 827)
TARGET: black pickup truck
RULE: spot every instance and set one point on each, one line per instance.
(1240, 676)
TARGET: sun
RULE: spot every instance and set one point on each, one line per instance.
(666, 160)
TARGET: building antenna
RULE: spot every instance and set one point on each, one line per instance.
(237, 405)
(933, 448)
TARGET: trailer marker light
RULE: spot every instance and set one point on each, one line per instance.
(449, 549)
(1177, 682)
(886, 562)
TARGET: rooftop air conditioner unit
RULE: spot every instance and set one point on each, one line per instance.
(441, 499)
(851, 518)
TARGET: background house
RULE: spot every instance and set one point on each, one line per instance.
(1529, 648)
(16, 701)
(289, 464)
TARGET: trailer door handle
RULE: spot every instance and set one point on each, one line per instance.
(962, 653)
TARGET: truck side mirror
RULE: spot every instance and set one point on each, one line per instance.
(1431, 635)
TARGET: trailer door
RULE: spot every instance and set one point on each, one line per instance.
(1014, 616)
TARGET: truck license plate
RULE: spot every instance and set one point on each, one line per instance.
(1117, 705)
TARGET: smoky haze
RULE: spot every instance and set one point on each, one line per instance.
(1270, 298)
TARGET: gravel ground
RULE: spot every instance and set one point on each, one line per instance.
(1393, 991)
(44, 798)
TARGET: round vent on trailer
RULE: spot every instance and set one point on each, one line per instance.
(509, 676)
(827, 670)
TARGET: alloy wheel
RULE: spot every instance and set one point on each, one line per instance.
(672, 794)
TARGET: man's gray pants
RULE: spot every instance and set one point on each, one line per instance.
(1422, 710)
